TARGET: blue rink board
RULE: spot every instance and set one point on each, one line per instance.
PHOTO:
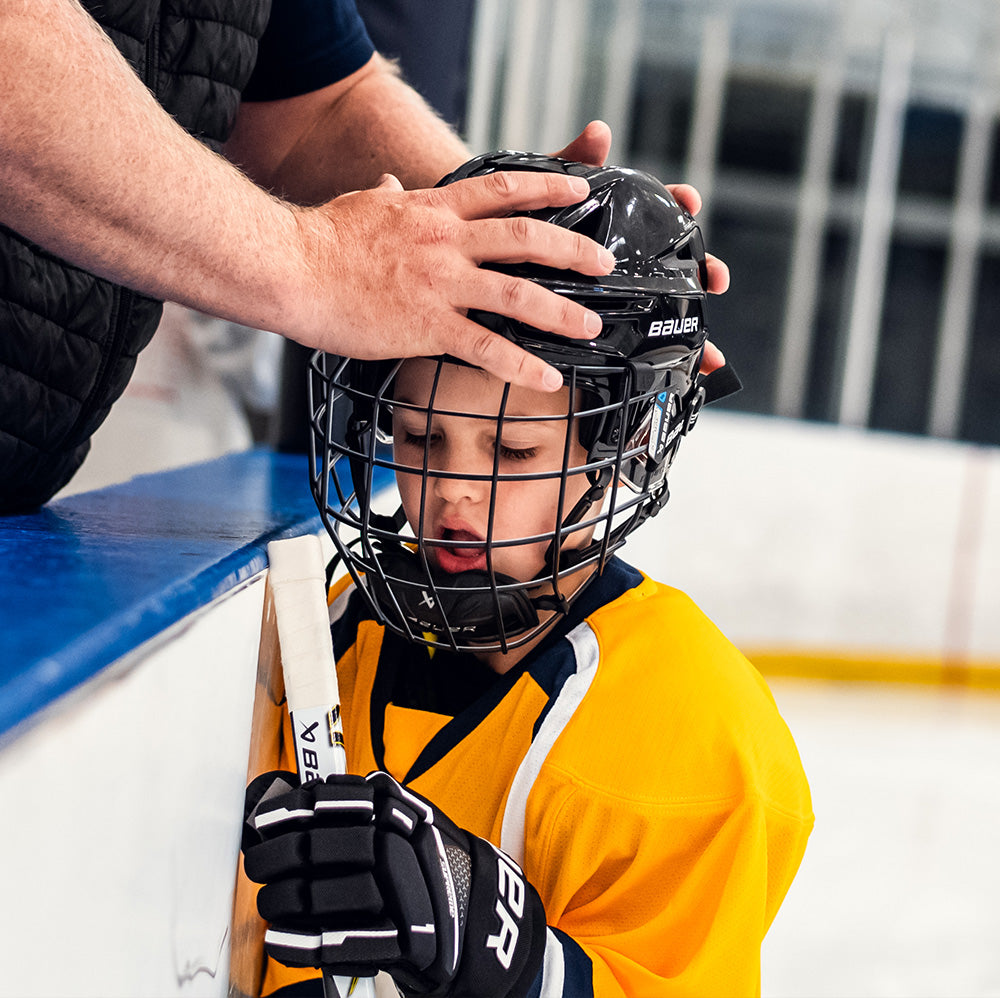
(91, 577)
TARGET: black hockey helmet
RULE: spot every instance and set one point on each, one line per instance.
(634, 393)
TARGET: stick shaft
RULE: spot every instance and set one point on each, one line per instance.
(298, 587)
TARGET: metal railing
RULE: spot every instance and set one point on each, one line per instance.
(542, 68)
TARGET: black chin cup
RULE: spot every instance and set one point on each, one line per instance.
(467, 608)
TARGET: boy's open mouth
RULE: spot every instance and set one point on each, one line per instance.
(461, 557)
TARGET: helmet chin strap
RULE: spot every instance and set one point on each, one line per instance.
(468, 608)
(556, 558)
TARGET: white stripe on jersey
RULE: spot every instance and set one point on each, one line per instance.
(553, 967)
(587, 653)
(339, 605)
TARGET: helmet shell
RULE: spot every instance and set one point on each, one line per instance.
(652, 303)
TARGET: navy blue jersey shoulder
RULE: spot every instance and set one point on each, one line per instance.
(554, 660)
(307, 45)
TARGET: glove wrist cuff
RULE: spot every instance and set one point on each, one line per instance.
(504, 939)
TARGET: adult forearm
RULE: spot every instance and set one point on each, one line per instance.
(344, 137)
(384, 126)
(91, 168)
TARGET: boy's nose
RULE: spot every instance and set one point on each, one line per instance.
(454, 490)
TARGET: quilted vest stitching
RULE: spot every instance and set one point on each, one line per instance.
(196, 56)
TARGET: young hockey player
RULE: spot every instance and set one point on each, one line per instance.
(569, 782)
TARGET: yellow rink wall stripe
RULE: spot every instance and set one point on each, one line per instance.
(862, 666)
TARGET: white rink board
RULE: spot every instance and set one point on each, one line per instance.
(123, 871)
(799, 535)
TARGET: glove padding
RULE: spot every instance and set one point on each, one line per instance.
(362, 875)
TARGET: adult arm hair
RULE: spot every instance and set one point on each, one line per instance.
(343, 137)
(94, 170)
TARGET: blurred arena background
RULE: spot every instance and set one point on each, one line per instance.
(839, 519)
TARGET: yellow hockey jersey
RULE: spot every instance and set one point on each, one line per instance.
(634, 764)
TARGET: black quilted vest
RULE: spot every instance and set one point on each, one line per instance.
(69, 340)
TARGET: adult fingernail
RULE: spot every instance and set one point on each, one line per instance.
(552, 380)
(594, 323)
(579, 186)
(606, 258)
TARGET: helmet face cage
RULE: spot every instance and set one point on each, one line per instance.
(633, 394)
(629, 436)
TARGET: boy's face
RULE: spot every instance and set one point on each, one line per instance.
(459, 508)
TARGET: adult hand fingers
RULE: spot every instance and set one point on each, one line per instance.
(711, 359)
(498, 194)
(475, 344)
(527, 302)
(690, 200)
(718, 275)
(528, 240)
(591, 146)
(686, 196)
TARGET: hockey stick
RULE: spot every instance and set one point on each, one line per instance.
(298, 587)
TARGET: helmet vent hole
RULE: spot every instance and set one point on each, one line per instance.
(594, 225)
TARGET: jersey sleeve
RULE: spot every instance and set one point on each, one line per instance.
(307, 45)
(670, 816)
(665, 900)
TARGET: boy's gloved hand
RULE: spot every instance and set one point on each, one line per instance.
(362, 875)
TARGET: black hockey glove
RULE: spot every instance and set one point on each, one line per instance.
(362, 875)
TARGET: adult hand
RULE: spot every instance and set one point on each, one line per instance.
(394, 271)
(592, 146)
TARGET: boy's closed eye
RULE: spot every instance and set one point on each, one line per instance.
(511, 453)
(514, 451)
